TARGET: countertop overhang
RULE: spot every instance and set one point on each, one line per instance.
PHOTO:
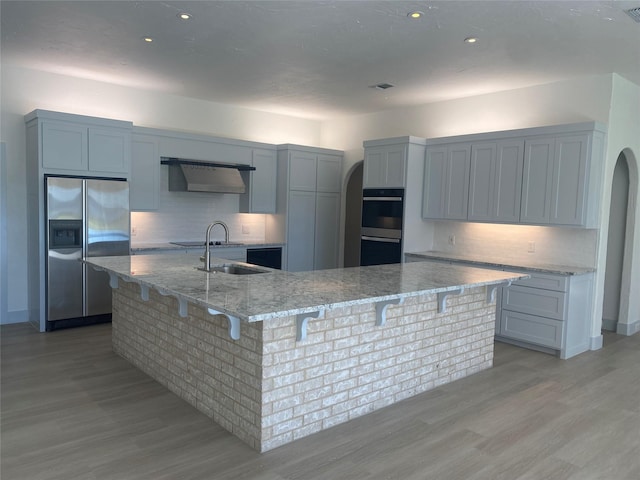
(260, 297)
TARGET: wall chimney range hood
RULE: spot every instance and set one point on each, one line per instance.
(186, 175)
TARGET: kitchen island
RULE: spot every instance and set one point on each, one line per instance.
(275, 356)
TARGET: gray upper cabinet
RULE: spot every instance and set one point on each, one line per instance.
(495, 181)
(536, 180)
(384, 166)
(569, 180)
(329, 173)
(109, 150)
(261, 183)
(555, 180)
(79, 145)
(446, 182)
(65, 146)
(538, 176)
(144, 192)
(302, 171)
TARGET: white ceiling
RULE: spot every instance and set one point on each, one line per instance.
(318, 59)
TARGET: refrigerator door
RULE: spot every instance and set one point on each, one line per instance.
(107, 234)
(64, 198)
(64, 270)
(64, 276)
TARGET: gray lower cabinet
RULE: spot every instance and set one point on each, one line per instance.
(548, 312)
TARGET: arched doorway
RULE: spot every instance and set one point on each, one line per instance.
(353, 216)
(620, 241)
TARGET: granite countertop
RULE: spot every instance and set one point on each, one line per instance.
(277, 293)
(502, 262)
(140, 247)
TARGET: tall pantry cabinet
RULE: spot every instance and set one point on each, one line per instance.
(308, 210)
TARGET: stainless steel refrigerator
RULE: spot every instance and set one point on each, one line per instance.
(85, 218)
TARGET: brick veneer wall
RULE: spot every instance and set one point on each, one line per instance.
(269, 390)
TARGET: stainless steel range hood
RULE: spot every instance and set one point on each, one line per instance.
(187, 175)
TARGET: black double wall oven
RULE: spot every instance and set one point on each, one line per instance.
(381, 233)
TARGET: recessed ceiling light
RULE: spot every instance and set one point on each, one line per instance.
(148, 39)
(415, 14)
(471, 40)
(185, 16)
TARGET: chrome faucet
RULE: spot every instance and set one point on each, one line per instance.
(207, 241)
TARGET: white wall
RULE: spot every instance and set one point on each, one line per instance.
(624, 135)
(581, 100)
(24, 90)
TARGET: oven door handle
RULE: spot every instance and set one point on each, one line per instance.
(382, 199)
(380, 239)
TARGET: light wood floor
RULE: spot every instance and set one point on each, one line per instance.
(72, 409)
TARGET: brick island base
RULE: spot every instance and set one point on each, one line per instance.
(268, 389)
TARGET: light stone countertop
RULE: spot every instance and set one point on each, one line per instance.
(501, 262)
(260, 297)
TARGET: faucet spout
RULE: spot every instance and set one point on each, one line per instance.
(207, 241)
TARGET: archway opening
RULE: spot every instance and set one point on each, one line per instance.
(353, 216)
(618, 211)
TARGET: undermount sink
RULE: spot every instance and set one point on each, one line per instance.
(236, 269)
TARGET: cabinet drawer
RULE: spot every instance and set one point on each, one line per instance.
(531, 328)
(548, 281)
(534, 301)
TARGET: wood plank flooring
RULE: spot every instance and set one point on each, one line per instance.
(72, 409)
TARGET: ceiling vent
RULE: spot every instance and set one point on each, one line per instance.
(382, 86)
(634, 13)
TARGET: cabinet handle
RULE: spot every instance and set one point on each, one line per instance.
(379, 239)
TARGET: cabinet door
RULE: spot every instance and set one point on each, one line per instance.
(569, 180)
(65, 146)
(329, 173)
(109, 150)
(507, 188)
(536, 180)
(262, 188)
(481, 182)
(534, 301)
(302, 171)
(457, 182)
(327, 230)
(532, 329)
(144, 192)
(434, 179)
(395, 166)
(301, 231)
(374, 171)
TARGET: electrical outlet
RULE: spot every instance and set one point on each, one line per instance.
(452, 239)
(532, 247)
(134, 231)
(245, 230)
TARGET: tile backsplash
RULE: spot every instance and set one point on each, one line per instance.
(556, 245)
(184, 216)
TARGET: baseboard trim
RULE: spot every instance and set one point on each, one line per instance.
(609, 325)
(628, 328)
(15, 316)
